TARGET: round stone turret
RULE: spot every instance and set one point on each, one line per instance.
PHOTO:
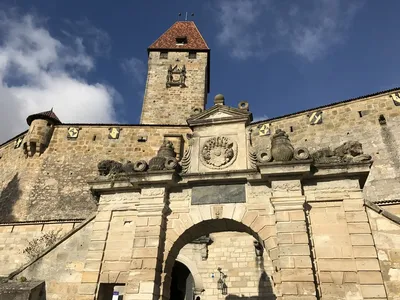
(41, 127)
(219, 99)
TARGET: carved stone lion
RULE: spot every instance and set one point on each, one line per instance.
(107, 167)
(348, 152)
(112, 167)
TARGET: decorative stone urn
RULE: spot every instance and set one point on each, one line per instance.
(281, 148)
(165, 156)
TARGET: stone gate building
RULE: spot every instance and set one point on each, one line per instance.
(198, 203)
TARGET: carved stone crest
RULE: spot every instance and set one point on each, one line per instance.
(176, 76)
(218, 152)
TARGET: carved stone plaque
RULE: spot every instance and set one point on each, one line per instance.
(218, 152)
(217, 194)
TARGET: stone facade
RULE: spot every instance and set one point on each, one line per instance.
(304, 206)
(174, 104)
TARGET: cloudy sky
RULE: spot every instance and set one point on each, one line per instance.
(87, 59)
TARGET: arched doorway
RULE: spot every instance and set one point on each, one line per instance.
(247, 268)
(182, 283)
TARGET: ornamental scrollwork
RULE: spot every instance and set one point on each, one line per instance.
(218, 152)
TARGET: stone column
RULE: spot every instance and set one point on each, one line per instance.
(144, 279)
(295, 277)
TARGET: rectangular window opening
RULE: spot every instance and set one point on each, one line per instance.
(192, 55)
(163, 54)
(360, 114)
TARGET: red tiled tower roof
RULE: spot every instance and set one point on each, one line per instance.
(181, 29)
(46, 115)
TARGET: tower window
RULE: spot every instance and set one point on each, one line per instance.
(192, 55)
(181, 40)
(163, 55)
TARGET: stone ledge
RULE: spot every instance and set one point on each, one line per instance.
(290, 168)
(221, 176)
(134, 181)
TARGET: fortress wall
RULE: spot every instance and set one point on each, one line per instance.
(62, 268)
(54, 185)
(15, 238)
(342, 123)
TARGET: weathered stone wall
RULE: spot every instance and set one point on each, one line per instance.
(173, 105)
(14, 238)
(387, 242)
(345, 255)
(62, 268)
(56, 180)
(341, 123)
(54, 185)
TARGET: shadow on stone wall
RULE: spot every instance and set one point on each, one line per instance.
(8, 197)
(265, 289)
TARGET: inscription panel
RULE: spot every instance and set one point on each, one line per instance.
(216, 194)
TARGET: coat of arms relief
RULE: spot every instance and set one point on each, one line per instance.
(176, 76)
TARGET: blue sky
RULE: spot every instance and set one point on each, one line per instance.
(87, 59)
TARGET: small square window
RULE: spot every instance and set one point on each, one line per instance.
(192, 55)
(181, 40)
(163, 54)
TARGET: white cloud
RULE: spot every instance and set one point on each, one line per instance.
(38, 71)
(95, 39)
(237, 19)
(136, 68)
(261, 27)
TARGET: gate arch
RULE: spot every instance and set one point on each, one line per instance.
(183, 228)
(198, 281)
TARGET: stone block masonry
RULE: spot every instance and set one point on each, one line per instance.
(175, 104)
(54, 185)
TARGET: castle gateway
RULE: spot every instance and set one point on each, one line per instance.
(198, 203)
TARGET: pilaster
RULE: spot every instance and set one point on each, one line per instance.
(295, 276)
(144, 278)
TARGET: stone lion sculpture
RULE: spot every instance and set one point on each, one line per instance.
(346, 153)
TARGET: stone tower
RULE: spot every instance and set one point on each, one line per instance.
(41, 127)
(178, 76)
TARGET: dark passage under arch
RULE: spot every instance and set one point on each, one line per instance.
(182, 283)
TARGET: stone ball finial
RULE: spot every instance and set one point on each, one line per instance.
(219, 99)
